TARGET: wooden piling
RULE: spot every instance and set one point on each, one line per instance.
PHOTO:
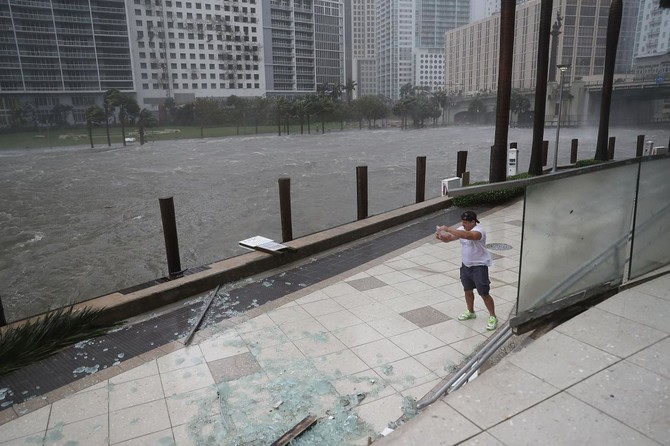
(420, 179)
(3, 319)
(461, 162)
(362, 191)
(170, 236)
(610, 147)
(285, 209)
(573, 150)
(545, 152)
(639, 149)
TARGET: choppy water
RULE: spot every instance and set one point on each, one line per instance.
(78, 222)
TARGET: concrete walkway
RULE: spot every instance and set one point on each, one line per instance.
(358, 350)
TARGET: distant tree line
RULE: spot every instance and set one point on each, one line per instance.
(416, 107)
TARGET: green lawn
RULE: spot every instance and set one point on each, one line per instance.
(79, 136)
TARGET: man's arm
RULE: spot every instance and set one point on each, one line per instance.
(461, 233)
(443, 235)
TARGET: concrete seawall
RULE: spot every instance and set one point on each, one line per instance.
(120, 305)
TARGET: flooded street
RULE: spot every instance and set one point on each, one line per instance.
(79, 222)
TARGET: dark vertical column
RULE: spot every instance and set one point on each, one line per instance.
(610, 147)
(362, 191)
(613, 31)
(3, 320)
(639, 150)
(573, 150)
(499, 159)
(545, 152)
(420, 178)
(491, 160)
(461, 162)
(285, 209)
(535, 167)
(170, 235)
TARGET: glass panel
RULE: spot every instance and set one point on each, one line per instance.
(651, 242)
(575, 234)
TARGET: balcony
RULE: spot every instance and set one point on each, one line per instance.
(30, 4)
(72, 19)
(34, 29)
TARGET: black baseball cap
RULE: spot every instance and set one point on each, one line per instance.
(469, 216)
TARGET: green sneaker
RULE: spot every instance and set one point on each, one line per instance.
(492, 324)
(467, 315)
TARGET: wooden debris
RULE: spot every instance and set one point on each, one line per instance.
(295, 431)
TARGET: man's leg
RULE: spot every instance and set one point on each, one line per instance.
(490, 305)
(470, 300)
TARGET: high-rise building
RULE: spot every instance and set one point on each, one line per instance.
(303, 45)
(652, 43)
(433, 19)
(190, 49)
(60, 52)
(329, 41)
(394, 45)
(364, 66)
(472, 51)
(409, 40)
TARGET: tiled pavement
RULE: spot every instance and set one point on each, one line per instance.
(357, 349)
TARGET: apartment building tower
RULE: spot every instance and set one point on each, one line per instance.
(395, 22)
(472, 51)
(303, 45)
(59, 52)
(364, 66)
(433, 19)
(199, 48)
(652, 43)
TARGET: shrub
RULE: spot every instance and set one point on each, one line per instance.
(495, 196)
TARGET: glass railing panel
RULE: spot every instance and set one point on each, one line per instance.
(651, 239)
(575, 234)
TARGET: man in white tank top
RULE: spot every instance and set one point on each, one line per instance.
(476, 260)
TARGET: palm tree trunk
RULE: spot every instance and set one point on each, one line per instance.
(498, 171)
(613, 29)
(535, 167)
(90, 133)
(109, 141)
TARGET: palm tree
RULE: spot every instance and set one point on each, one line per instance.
(281, 107)
(613, 31)
(259, 106)
(349, 87)
(475, 108)
(144, 119)
(110, 99)
(441, 97)
(518, 103)
(94, 114)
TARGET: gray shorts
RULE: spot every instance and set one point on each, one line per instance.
(476, 277)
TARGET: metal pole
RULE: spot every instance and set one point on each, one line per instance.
(558, 124)
(420, 179)
(285, 209)
(170, 235)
